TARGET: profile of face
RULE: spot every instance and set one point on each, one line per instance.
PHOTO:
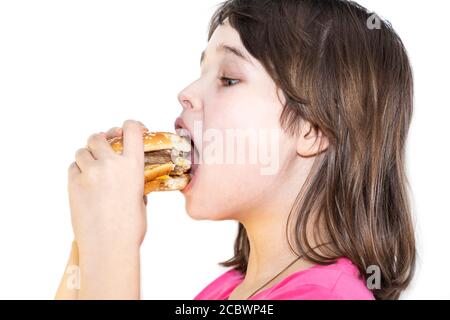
(247, 163)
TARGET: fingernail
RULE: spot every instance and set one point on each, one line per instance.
(142, 125)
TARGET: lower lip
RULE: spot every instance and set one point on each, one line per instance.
(194, 157)
(191, 182)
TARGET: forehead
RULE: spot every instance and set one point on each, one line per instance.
(226, 40)
(225, 33)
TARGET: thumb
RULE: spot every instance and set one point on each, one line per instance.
(133, 142)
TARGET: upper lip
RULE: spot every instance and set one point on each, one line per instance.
(180, 124)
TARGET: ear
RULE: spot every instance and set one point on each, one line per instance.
(311, 141)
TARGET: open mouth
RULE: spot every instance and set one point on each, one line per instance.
(193, 156)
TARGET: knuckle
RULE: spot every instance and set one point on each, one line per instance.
(93, 137)
(72, 167)
(79, 152)
(73, 178)
(112, 131)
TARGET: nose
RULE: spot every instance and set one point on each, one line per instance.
(189, 99)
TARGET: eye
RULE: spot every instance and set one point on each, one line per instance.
(228, 82)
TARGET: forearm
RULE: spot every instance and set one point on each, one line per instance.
(108, 273)
(68, 287)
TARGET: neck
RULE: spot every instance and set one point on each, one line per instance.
(269, 248)
(265, 226)
(270, 251)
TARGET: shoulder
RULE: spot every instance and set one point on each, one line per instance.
(338, 281)
(221, 287)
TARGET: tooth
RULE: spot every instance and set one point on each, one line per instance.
(180, 143)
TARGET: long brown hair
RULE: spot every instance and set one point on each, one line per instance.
(347, 72)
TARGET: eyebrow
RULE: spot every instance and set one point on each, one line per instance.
(228, 49)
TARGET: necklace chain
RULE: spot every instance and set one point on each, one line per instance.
(290, 264)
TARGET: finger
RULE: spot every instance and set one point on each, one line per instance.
(99, 147)
(114, 132)
(133, 141)
(84, 159)
(142, 125)
(73, 170)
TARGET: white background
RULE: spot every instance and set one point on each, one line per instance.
(72, 68)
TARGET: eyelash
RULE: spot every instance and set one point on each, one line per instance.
(225, 79)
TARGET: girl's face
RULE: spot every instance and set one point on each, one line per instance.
(232, 113)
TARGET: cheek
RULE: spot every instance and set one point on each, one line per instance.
(242, 110)
(223, 190)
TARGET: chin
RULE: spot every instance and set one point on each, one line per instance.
(207, 201)
(201, 214)
(197, 214)
(199, 211)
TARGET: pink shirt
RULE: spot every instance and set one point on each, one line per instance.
(333, 282)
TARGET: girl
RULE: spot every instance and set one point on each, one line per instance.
(333, 220)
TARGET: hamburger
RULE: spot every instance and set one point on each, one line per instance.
(167, 160)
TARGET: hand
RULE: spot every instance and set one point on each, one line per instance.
(106, 192)
(118, 132)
